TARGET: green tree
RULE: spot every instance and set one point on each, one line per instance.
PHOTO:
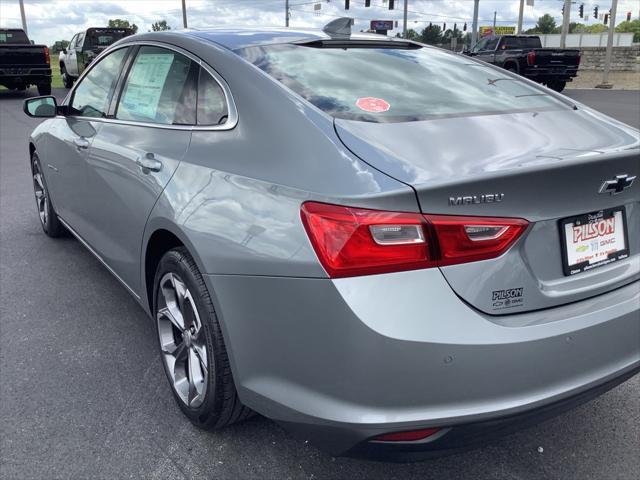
(160, 26)
(632, 26)
(575, 27)
(119, 23)
(546, 24)
(431, 35)
(58, 46)
(412, 35)
(597, 28)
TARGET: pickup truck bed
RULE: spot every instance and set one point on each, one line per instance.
(23, 64)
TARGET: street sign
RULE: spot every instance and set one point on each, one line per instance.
(503, 30)
(381, 24)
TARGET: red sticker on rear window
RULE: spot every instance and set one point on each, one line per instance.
(373, 105)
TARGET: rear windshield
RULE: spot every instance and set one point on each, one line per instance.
(104, 38)
(522, 42)
(396, 85)
(17, 37)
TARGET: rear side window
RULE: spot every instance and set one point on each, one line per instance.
(93, 94)
(160, 88)
(212, 105)
(395, 84)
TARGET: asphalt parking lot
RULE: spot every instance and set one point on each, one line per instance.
(83, 394)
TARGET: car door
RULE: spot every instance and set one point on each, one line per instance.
(71, 136)
(134, 155)
(488, 51)
(72, 58)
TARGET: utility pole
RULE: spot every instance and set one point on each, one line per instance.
(566, 17)
(494, 22)
(404, 19)
(184, 14)
(24, 19)
(286, 13)
(520, 16)
(474, 26)
(607, 59)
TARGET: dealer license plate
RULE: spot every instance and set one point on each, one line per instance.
(593, 240)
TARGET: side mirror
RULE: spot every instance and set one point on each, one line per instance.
(64, 50)
(41, 107)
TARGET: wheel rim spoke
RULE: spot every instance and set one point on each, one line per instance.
(42, 201)
(182, 341)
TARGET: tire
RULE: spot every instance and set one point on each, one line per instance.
(44, 89)
(192, 349)
(512, 69)
(557, 86)
(49, 221)
(67, 80)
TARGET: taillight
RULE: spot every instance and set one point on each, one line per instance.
(356, 241)
(531, 58)
(47, 57)
(469, 239)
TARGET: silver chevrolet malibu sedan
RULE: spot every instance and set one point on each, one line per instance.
(390, 249)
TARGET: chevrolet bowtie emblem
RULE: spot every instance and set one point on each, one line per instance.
(617, 185)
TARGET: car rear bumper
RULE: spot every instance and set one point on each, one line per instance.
(346, 360)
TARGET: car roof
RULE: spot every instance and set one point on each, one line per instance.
(236, 38)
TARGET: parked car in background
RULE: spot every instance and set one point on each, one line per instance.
(384, 270)
(22, 63)
(523, 54)
(83, 49)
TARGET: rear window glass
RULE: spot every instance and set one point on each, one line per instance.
(396, 85)
(521, 42)
(13, 36)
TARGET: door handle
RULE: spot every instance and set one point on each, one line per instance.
(148, 163)
(81, 142)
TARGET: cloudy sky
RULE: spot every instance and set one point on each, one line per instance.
(50, 20)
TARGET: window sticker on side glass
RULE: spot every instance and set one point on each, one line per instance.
(145, 84)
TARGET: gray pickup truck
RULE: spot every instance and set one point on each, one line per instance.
(523, 54)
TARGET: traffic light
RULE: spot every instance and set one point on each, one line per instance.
(595, 12)
(464, 27)
(391, 4)
(444, 27)
(346, 4)
(367, 3)
(581, 10)
(628, 16)
(606, 18)
(455, 27)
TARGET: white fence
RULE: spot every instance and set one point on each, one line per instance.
(587, 40)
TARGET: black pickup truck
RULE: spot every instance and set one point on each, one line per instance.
(23, 64)
(523, 54)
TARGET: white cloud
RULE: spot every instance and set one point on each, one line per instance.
(50, 20)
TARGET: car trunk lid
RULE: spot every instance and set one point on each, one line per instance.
(540, 166)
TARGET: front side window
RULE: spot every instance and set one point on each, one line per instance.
(93, 94)
(161, 88)
(480, 45)
(80, 40)
(396, 84)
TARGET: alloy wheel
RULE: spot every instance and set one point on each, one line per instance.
(182, 340)
(42, 199)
